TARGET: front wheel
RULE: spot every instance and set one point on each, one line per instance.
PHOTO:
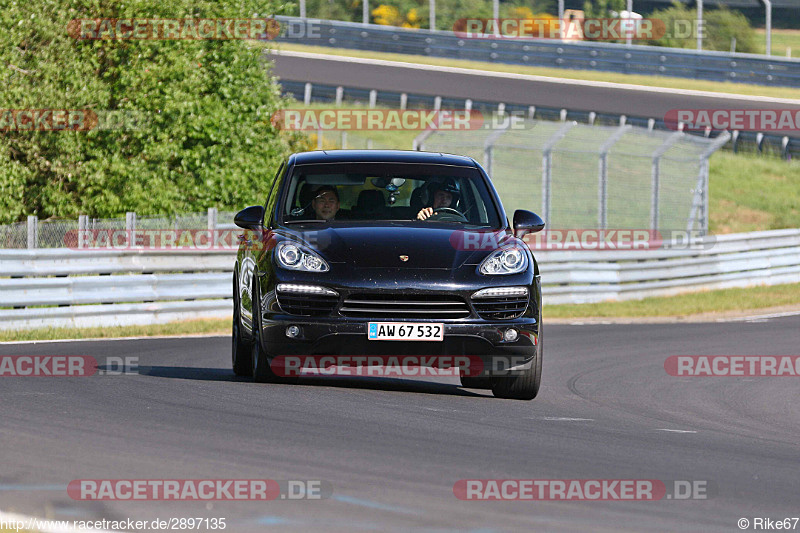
(524, 384)
(241, 351)
(262, 372)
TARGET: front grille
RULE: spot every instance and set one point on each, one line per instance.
(375, 305)
(500, 307)
(307, 304)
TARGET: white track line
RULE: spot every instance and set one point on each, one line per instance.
(530, 77)
(759, 317)
(676, 430)
(154, 337)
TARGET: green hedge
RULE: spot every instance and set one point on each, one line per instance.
(203, 107)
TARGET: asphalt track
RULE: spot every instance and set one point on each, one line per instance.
(511, 89)
(393, 448)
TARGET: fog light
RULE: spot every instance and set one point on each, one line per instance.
(510, 335)
(293, 332)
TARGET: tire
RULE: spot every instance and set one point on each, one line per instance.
(261, 370)
(241, 351)
(525, 385)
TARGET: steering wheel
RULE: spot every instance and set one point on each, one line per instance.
(447, 214)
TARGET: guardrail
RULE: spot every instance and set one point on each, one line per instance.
(715, 262)
(610, 57)
(72, 288)
(105, 288)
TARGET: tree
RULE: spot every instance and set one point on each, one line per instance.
(720, 26)
(604, 8)
(203, 135)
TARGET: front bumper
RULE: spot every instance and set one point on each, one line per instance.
(336, 334)
(346, 336)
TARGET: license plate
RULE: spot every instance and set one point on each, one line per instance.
(405, 331)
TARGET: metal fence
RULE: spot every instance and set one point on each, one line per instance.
(741, 141)
(579, 176)
(56, 233)
(627, 59)
(76, 288)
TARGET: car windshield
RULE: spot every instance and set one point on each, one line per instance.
(345, 192)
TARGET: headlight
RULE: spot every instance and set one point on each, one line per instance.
(296, 257)
(510, 260)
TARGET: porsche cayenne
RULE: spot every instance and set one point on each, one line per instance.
(388, 252)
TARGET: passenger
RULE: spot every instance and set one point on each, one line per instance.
(326, 202)
(444, 195)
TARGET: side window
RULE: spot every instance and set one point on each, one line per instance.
(273, 194)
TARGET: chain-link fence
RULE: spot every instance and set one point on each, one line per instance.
(59, 233)
(574, 175)
(580, 176)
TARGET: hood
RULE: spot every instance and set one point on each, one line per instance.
(362, 246)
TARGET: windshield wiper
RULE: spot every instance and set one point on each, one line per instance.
(313, 220)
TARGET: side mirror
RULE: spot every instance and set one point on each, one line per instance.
(251, 217)
(527, 222)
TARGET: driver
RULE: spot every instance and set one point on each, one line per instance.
(444, 195)
(325, 202)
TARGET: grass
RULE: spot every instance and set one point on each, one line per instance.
(751, 193)
(781, 40)
(174, 328)
(635, 79)
(685, 304)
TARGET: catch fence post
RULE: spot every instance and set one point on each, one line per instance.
(655, 186)
(547, 166)
(602, 188)
(33, 232)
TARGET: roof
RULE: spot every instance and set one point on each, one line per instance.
(380, 156)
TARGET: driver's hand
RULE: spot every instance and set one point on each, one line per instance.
(425, 213)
